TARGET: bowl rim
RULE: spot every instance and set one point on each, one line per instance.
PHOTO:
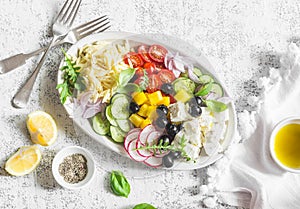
(69, 150)
(277, 127)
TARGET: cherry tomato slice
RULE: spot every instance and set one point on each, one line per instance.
(166, 76)
(159, 65)
(134, 58)
(143, 52)
(154, 83)
(150, 68)
(138, 80)
(157, 53)
(139, 71)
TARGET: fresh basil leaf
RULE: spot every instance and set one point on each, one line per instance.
(144, 206)
(125, 76)
(119, 184)
(204, 89)
(129, 88)
(215, 106)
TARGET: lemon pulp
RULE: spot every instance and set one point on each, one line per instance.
(25, 160)
(287, 145)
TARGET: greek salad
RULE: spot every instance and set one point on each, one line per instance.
(154, 101)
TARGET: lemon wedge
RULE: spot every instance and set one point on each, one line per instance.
(42, 128)
(25, 160)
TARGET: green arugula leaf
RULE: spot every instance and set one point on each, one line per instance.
(119, 184)
(215, 106)
(125, 76)
(144, 206)
(70, 77)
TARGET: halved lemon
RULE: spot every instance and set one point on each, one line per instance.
(25, 160)
(42, 128)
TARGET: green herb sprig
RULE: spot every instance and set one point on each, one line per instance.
(119, 184)
(169, 147)
(70, 76)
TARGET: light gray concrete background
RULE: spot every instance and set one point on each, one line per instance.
(241, 39)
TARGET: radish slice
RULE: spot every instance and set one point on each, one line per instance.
(141, 152)
(145, 132)
(153, 138)
(153, 162)
(130, 137)
(133, 153)
(134, 130)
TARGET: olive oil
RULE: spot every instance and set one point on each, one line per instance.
(287, 145)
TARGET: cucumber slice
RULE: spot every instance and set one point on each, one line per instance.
(117, 134)
(100, 124)
(120, 108)
(217, 89)
(185, 84)
(117, 95)
(109, 116)
(205, 79)
(197, 72)
(124, 125)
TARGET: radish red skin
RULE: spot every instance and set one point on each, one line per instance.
(133, 153)
(130, 136)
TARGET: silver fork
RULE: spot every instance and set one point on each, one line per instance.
(60, 28)
(97, 25)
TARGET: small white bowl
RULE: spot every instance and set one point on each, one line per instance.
(58, 159)
(284, 122)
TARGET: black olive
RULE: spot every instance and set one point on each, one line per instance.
(195, 110)
(164, 140)
(162, 110)
(172, 129)
(175, 155)
(196, 101)
(134, 107)
(167, 88)
(199, 101)
(168, 161)
(161, 122)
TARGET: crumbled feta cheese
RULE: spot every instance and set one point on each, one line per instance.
(192, 132)
(179, 113)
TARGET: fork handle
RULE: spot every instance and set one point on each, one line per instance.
(11, 63)
(21, 99)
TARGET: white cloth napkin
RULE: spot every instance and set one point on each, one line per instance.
(253, 180)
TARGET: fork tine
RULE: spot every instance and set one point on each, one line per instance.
(62, 10)
(78, 29)
(91, 26)
(73, 13)
(98, 30)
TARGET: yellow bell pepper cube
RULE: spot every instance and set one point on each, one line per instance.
(165, 101)
(182, 96)
(140, 98)
(136, 120)
(155, 98)
(145, 123)
(143, 110)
